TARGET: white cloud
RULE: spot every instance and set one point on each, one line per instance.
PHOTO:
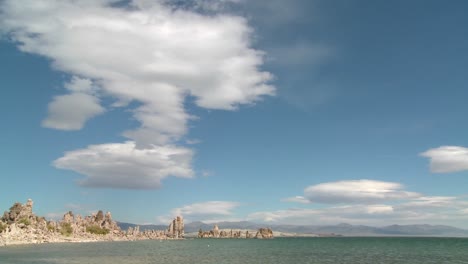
(80, 85)
(356, 191)
(429, 202)
(296, 199)
(154, 54)
(291, 216)
(71, 111)
(447, 159)
(374, 215)
(379, 209)
(192, 141)
(122, 165)
(329, 215)
(367, 202)
(207, 208)
(211, 5)
(211, 211)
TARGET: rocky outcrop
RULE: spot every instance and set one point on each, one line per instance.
(216, 232)
(19, 213)
(20, 225)
(262, 233)
(176, 228)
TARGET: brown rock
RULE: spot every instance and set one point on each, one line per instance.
(264, 233)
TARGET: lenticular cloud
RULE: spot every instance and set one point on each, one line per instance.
(145, 52)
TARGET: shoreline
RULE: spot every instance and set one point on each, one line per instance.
(78, 241)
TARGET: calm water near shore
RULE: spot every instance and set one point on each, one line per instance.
(279, 250)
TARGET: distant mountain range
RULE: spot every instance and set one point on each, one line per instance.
(341, 229)
(125, 226)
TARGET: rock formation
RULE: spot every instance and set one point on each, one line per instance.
(216, 231)
(176, 228)
(262, 233)
(20, 225)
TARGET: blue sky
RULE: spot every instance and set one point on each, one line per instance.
(301, 112)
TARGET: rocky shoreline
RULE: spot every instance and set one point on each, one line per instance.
(20, 226)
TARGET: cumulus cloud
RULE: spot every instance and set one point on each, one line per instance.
(121, 165)
(153, 53)
(367, 202)
(71, 111)
(447, 159)
(357, 191)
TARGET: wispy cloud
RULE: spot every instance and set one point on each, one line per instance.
(210, 211)
(375, 214)
(296, 199)
(354, 191)
(330, 215)
(367, 202)
(447, 159)
(153, 53)
(207, 173)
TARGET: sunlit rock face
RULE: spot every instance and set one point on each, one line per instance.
(19, 225)
(176, 228)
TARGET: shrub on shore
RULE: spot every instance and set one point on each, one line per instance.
(2, 227)
(50, 227)
(94, 229)
(66, 229)
(24, 221)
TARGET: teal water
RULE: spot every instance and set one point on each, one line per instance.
(279, 250)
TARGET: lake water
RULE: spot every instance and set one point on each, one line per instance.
(216, 251)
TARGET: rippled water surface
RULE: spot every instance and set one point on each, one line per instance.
(279, 250)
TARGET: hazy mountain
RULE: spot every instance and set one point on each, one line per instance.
(362, 230)
(125, 226)
(436, 230)
(342, 229)
(195, 226)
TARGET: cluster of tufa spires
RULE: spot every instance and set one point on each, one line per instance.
(262, 233)
(20, 225)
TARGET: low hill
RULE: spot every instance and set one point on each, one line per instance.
(342, 229)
